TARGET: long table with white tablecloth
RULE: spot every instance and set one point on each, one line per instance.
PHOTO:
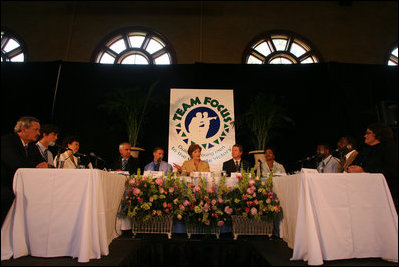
(330, 216)
(62, 212)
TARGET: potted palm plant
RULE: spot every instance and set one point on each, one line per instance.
(262, 117)
(131, 106)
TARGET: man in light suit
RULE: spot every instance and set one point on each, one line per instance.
(236, 163)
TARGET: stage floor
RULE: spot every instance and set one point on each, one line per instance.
(200, 250)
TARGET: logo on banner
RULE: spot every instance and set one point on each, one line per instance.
(202, 121)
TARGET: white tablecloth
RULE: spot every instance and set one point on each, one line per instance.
(62, 212)
(337, 216)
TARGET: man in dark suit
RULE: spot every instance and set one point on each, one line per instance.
(236, 163)
(14, 155)
(125, 162)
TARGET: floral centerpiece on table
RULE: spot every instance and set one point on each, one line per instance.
(147, 197)
(199, 205)
(253, 198)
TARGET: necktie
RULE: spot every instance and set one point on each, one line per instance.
(124, 163)
(322, 166)
(237, 166)
(26, 150)
(45, 153)
(157, 166)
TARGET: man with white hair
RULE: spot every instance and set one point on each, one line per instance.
(125, 162)
(14, 155)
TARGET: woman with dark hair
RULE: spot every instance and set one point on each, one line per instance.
(379, 156)
(68, 159)
(195, 164)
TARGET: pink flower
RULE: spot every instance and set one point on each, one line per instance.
(251, 183)
(244, 197)
(247, 210)
(220, 223)
(207, 222)
(159, 213)
(253, 211)
(228, 210)
(130, 202)
(213, 202)
(171, 189)
(132, 181)
(167, 210)
(214, 208)
(186, 202)
(255, 202)
(250, 190)
(206, 207)
(210, 191)
(161, 190)
(136, 191)
(154, 212)
(169, 205)
(220, 200)
(239, 176)
(164, 204)
(181, 207)
(151, 199)
(196, 189)
(277, 209)
(159, 181)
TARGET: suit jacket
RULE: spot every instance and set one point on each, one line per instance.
(189, 167)
(131, 166)
(229, 166)
(34, 154)
(13, 156)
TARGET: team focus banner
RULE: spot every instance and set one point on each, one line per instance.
(204, 117)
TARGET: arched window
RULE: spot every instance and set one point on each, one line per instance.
(12, 47)
(393, 57)
(280, 47)
(134, 45)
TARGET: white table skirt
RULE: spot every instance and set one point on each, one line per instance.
(62, 212)
(337, 216)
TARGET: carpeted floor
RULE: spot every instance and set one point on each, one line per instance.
(157, 250)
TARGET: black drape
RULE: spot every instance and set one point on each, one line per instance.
(325, 100)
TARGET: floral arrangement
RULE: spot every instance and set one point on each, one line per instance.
(146, 197)
(253, 198)
(194, 203)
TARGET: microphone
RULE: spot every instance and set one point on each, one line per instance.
(260, 167)
(95, 156)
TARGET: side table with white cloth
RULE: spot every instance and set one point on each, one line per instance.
(331, 216)
(62, 212)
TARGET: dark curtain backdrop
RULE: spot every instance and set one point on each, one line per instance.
(325, 100)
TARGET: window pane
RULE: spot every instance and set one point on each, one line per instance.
(136, 41)
(11, 44)
(395, 52)
(297, 50)
(164, 59)
(19, 58)
(135, 59)
(118, 46)
(307, 60)
(253, 60)
(107, 59)
(280, 44)
(153, 46)
(391, 63)
(280, 60)
(263, 48)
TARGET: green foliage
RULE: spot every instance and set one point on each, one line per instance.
(264, 115)
(130, 105)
